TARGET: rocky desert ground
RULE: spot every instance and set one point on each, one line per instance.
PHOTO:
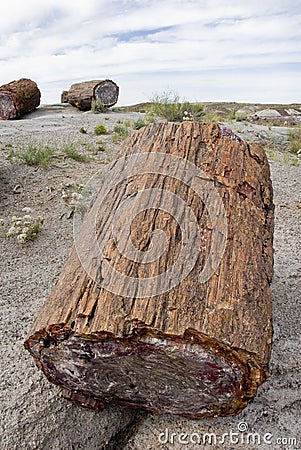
(33, 414)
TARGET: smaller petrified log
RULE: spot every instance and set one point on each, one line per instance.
(82, 94)
(18, 98)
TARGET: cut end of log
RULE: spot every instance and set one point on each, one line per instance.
(107, 92)
(7, 106)
(82, 94)
(193, 376)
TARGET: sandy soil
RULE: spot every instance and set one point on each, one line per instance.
(33, 415)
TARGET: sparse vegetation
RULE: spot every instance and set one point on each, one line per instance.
(83, 130)
(194, 110)
(24, 228)
(286, 158)
(33, 154)
(294, 138)
(139, 123)
(234, 115)
(150, 117)
(40, 154)
(120, 133)
(100, 147)
(271, 153)
(294, 160)
(126, 123)
(213, 117)
(100, 129)
(241, 117)
(231, 115)
(70, 150)
(168, 105)
(98, 107)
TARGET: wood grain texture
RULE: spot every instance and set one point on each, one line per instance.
(200, 348)
(18, 98)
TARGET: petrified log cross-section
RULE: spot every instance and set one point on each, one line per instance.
(18, 97)
(81, 94)
(151, 312)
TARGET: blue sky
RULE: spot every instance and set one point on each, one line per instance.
(205, 50)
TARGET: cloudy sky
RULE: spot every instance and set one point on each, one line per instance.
(206, 50)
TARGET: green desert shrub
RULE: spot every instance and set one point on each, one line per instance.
(192, 111)
(98, 107)
(100, 129)
(234, 115)
(139, 123)
(168, 105)
(240, 117)
(70, 150)
(294, 137)
(34, 154)
(231, 114)
(213, 117)
(120, 132)
(100, 147)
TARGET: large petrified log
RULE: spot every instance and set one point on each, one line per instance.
(178, 325)
(82, 94)
(18, 98)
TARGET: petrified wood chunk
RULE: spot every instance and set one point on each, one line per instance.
(164, 302)
(64, 97)
(18, 98)
(81, 94)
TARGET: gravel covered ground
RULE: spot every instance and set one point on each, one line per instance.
(33, 415)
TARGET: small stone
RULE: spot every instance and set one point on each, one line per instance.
(70, 214)
(17, 189)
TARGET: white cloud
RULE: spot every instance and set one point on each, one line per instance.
(198, 47)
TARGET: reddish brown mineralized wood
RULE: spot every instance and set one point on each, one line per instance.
(81, 94)
(199, 348)
(18, 98)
